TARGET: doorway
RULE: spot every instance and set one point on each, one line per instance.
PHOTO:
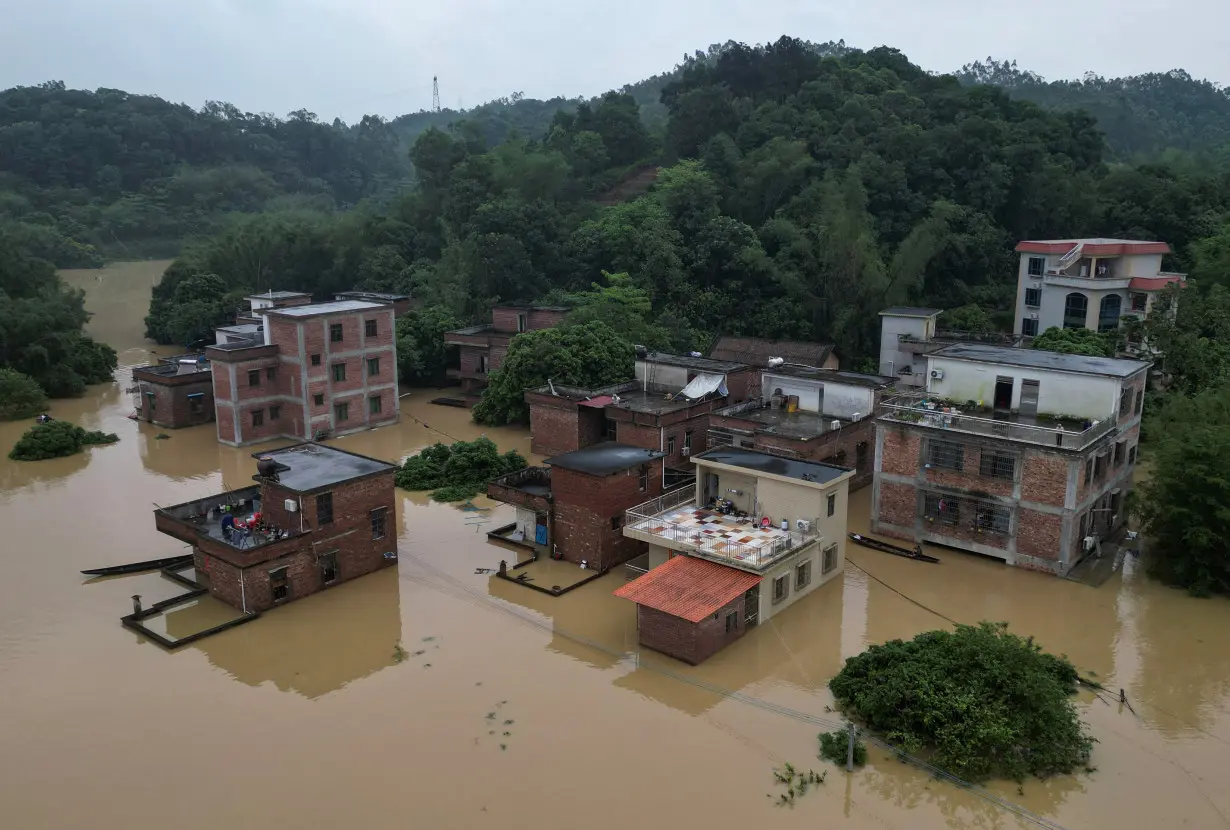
(751, 606)
(711, 487)
(1003, 393)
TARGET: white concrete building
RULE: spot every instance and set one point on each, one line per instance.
(1087, 283)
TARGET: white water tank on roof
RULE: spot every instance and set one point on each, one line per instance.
(774, 362)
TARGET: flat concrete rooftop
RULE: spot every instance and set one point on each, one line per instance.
(307, 467)
(604, 459)
(1037, 359)
(336, 307)
(802, 425)
(639, 400)
(811, 471)
(703, 364)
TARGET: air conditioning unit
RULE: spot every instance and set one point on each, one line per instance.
(803, 525)
(937, 374)
(686, 451)
(291, 505)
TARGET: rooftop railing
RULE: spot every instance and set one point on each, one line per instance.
(1046, 430)
(945, 337)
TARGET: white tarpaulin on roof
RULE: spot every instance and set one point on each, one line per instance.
(702, 385)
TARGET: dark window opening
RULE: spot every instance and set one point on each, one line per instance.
(644, 478)
(860, 454)
(279, 584)
(196, 404)
(315, 360)
(275, 412)
(258, 417)
(609, 430)
(830, 559)
(1075, 309)
(617, 522)
(378, 519)
(802, 576)
(319, 400)
(1140, 401)
(1033, 297)
(335, 333)
(1139, 301)
(1131, 455)
(341, 411)
(781, 588)
(373, 366)
(324, 509)
(1029, 327)
(670, 445)
(369, 328)
(339, 372)
(992, 518)
(328, 568)
(254, 377)
(1108, 313)
(832, 503)
(374, 405)
(271, 373)
(1036, 266)
(732, 621)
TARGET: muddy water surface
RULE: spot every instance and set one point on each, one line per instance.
(305, 719)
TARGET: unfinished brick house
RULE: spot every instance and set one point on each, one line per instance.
(762, 354)
(814, 414)
(175, 392)
(750, 520)
(573, 508)
(325, 516)
(401, 303)
(481, 348)
(666, 408)
(309, 371)
(1019, 454)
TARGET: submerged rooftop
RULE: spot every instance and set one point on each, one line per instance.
(810, 471)
(604, 459)
(802, 425)
(336, 307)
(1036, 359)
(308, 467)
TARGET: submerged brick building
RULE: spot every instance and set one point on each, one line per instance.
(481, 348)
(326, 516)
(1019, 454)
(175, 392)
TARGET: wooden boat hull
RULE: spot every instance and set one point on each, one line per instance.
(885, 547)
(138, 567)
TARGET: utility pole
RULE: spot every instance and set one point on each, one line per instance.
(435, 93)
(850, 750)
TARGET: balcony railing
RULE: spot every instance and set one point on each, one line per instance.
(947, 337)
(661, 522)
(1046, 430)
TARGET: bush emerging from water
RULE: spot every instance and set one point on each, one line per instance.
(834, 746)
(55, 440)
(987, 703)
(457, 472)
(20, 396)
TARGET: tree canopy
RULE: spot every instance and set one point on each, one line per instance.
(986, 702)
(56, 439)
(20, 396)
(457, 471)
(1076, 341)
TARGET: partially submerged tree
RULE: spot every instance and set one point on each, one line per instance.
(458, 471)
(589, 355)
(20, 396)
(56, 439)
(986, 703)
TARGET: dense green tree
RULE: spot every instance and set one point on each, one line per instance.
(422, 357)
(20, 396)
(588, 355)
(457, 471)
(1076, 341)
(984, 702)
(1190, 328)
(971, 318)
(1184, 503)
(56, 439)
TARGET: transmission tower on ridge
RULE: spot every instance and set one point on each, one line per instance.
(435, 94)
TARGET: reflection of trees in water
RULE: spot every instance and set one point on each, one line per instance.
(50, 471)
(1184, 646)
(909, 787)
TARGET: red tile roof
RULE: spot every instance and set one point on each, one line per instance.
(598, 402)
(1156, 283)
(688, 587)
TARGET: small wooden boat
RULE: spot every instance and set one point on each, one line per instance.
(138, 567)
(876, 544)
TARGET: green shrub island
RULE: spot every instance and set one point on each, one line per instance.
(56, 439)
(983, 702)
(834, 746)
(20, 396)
(457, 472)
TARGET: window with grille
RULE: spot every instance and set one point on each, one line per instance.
(319, 400)
(1140, 401)
(781, 588)
(992, 518)
(830, 559)
(670, 445)
(369, 328)
(324, 509)
(1033, 297)
(946, 509)
(315, 360)
(379, 515)
(1029, 327)
(374, 405)
(997, 464)
(373, 366)
(609, 431)
(1125, 402)
(1131, 455)
(254, 377)
(341, 411)
(1075, 310)
(258, 417)
(328, 567)
(335, 333)
(644, 478)
(946, 455)
(1037, 265)
(802, 576)
(832, 504)
(339, 372)
(732, 621)
(279, 584)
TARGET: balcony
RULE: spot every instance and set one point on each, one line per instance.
(1104, 283)
(675, 521)
(1057, 431)
(199, 523)
(529, 488)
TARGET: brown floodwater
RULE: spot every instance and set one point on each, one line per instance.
(304, 718)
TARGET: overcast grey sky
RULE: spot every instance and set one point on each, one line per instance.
(350, 57)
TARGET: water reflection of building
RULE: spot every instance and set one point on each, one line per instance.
(314, 646)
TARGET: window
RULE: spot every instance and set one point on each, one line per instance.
(341, 411)
(1119, 453)
(378, 516)
(315, 360)
(945, 509)
(670, 445)
(829, 562)
(374, 405)
(1139, 301)
(609, 431)
(832, 503)
(1108, 313)
(732, 621)
(373, 366)
(946, 455)
(369, 328)
(860, 454)
(151, 400)
(1088, 472)
(1033, 297)
(1125, 402)
(644, 482)
(275, 412)
(254, 377)
(520, 323)
(997, 464)
(319, 400)
(328, 568)
(339, 372)
(1140, 401)
(324, 509)
(802, 576)
(992, 518)
(687, 440)
(335, 333)
(1075, 308)
(781, 588)
(279, 585)
(1029, 327)
(617, 522)
(484, 364)
(196, 404)
(1037, 265)
(271, 373)
(258, 417)
(1131, 455)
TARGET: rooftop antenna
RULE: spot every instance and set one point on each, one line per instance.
(435, 93)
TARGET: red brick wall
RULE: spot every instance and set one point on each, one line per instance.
(226, 423)
(352, 332)
(222, 382)
(315, 341)
(830, 447)
(545, 319)
(504, 318)
(269, 428)
(740, 384)
(555, 430)
(1039, 534)
(172, 408)
(1136, 384)
(265, 387)
(687, 641)
(584, 507)
(354, 374)
(469, 356)
(902, 452)
(898, 504)
(638, 435)
(1044, 479)
(284, 334)
(970, 477)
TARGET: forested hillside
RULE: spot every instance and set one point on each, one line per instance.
(800, 193)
